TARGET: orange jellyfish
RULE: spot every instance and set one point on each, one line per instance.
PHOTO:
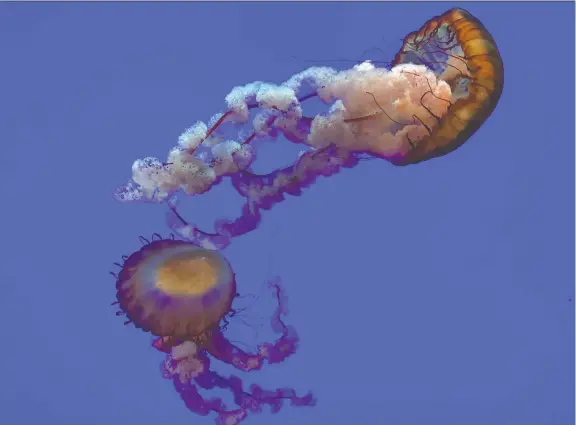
(183, 294)
(441, 86)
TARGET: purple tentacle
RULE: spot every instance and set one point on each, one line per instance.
(192, 371)
(248, 401)
(263, 192)
(286, 345)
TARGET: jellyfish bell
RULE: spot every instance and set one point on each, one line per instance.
(460, 51)
(176, 290)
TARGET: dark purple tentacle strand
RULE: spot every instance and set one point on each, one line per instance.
(248, 401)
(262, 192)
(286, 345)
(189, 373)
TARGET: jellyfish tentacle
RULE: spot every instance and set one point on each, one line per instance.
(251, 400)
(190, 232)
(262, 192)
(188, 365)
(287, 343)
(256, 397)
(195, 402)
(267, 190)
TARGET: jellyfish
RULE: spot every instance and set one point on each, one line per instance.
(183, 295)
(441, 86)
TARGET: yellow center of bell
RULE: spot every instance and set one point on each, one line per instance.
(186, 275)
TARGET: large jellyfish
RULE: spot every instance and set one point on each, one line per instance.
(183, 294)
(442, 85)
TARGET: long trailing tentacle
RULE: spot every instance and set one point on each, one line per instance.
(278, 351)
(191, 371)
(262, 192)
(248, 401)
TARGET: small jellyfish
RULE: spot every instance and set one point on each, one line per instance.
(183, 294)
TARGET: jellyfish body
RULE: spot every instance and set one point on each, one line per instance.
(183, 294)
(444, 82)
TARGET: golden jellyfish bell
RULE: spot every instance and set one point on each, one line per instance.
(176, 289)
(471, 65)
